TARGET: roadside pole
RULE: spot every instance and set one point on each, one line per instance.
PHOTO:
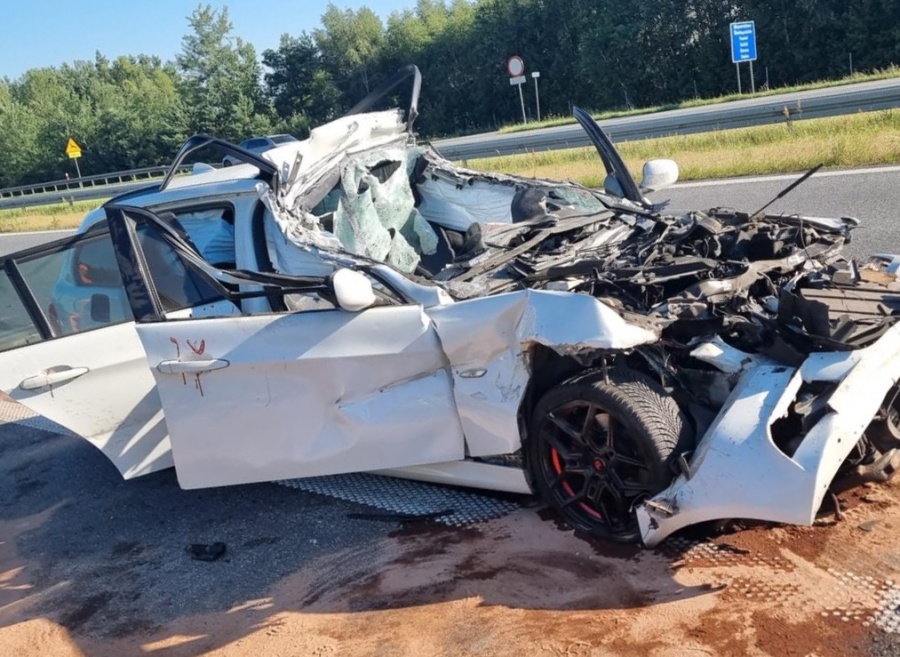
(73, 150)
(537, 94)
(737, 67)
(515, 66)
(522, 100)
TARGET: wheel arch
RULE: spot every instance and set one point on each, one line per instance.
(550, 368)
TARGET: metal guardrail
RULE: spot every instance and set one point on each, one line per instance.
(831, 101)
(82, 189)
(67, 184)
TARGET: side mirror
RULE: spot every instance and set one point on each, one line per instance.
(659, 174)
(352, 290)
(100, 308)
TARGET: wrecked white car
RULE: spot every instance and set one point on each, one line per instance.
(354, 302)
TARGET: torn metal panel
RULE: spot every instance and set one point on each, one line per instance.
(736, 471)
(301, 163)
(487, 342)
(726, 358)
(739, 472)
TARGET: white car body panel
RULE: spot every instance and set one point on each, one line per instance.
(487, 341)
(97, 385)
(310, 393)
(472, 474)
(114, 405)
(381, 389)
(738, 472)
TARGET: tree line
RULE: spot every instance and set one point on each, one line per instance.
(134, 111)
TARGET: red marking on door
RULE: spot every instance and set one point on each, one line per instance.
(197, 350)
(178, 357)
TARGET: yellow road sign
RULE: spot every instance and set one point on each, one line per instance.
(73, 150)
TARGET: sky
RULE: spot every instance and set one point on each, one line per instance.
(40, 33)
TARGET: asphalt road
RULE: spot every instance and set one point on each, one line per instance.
(12, 242)
(872, 195)
(118, 546)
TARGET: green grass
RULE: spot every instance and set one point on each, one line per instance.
(881, 74)
(864, 139)
(46, 217)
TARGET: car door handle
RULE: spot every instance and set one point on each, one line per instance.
(191, 366)
(52, 377)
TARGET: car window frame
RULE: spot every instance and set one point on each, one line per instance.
(144, 298)
(178, 208)
(27, 297)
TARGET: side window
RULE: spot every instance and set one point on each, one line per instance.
(177, 286)
(16, 327)
(212, 232)
(95, 264)
(78, 287)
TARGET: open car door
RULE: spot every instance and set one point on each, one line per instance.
(315, 391)
(69, 350)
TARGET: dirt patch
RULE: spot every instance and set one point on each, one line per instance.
(520, 585)
(824, 639)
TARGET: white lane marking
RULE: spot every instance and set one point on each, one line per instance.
(787, 176)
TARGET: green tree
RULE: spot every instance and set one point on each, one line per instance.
(300, 88)
(220, 78)
(144, 120)
(18, 137)
(350, 44)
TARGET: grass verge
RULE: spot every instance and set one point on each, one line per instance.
(881, 74)
(46, 217)
(864, 139)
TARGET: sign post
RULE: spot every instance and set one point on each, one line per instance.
(537, 94)
(73, 150)
(743, 49)
(515, 66)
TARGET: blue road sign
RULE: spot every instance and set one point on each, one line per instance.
(743, 42)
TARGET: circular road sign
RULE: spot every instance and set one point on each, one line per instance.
(515, 66)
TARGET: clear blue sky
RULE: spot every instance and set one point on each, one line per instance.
(35, 33)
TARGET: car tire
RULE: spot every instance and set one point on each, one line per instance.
(595, 473)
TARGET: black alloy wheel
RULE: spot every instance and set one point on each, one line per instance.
(598, 447)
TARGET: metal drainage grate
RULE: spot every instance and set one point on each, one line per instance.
(449, 506)
(887, 617)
